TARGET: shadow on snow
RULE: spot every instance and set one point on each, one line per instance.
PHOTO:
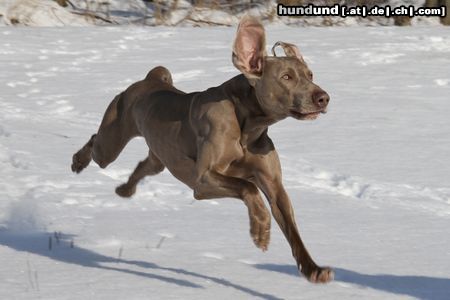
(422, 287)
(37, 243)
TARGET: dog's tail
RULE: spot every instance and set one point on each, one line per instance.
(161, 74)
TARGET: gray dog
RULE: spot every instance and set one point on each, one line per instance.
(216, 141)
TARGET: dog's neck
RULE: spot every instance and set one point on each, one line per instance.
(253, 120)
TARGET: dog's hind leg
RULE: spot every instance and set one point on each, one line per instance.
(149, 166)
(116, 130)
(83, 157)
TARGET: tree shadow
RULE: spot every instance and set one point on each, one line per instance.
(421, 287)
(63, 250)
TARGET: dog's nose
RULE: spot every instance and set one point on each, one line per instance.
(320, 99)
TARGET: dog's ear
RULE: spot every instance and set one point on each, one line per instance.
(249, 47)
(289, 49)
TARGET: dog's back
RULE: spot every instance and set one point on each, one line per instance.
(121, 108)
(158, 78)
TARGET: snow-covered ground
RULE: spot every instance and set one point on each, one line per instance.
(369, 180)
(48, 13)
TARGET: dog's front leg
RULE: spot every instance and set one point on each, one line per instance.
(283, 213)
(217, 150)
(268, 179)
(215, 185)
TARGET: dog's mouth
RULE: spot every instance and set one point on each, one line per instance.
(306, 116)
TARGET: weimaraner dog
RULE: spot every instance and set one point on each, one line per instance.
(216, 141)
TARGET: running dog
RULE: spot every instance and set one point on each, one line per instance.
(216, 141)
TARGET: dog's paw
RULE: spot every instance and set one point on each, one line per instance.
(80, 160)
(125, 190)
(260, 232)
(319, 275)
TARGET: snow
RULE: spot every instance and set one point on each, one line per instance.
(41, 13)
(368, 180)
(47, 13)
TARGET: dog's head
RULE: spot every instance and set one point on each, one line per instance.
(283, 85)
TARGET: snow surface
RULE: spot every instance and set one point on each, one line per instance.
(47, 13)
(41, 13)
(368, 180)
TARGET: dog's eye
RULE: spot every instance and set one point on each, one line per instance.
(310, 75)
(286, 77)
